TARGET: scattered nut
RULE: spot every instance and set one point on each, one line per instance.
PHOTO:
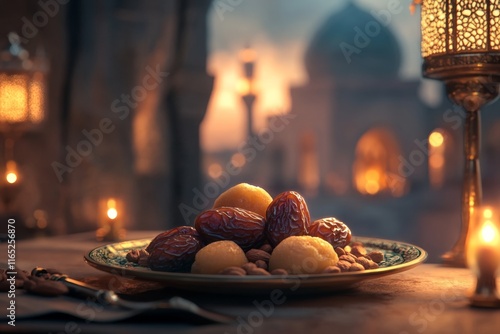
(373, 265)
(235, 271)
(376, 256)
(258, 271)
(267, 248)
(356, 243)
(347, 258)
(332, 270)
(133, 256)
(254, 255)
(356, 267)
(343, 265)
(340, 251)
(364, 262)
(143, 258)
(261, 264)
(249, 266)
(279, 271)
(358, 251)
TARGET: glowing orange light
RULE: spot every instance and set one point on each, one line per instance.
(244, 87)
(11, 177)
(11, 172)
(436, 139)
(214, 170)
(488, 232)
(112, 212)
(238, 160)
(21, 98)
(248, 55)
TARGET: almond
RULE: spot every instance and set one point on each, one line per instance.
(254, 255)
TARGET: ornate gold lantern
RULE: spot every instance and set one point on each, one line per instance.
(22, 88)
(22, 106)
(461, 47)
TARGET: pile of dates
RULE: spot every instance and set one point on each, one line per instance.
(256, 233)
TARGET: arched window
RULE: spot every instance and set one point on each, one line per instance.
(375, 168)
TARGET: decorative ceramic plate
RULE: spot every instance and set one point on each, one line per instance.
(398, 257)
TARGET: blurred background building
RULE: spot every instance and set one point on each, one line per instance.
(162, 105)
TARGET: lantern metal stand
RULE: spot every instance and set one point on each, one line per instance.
(460, 46)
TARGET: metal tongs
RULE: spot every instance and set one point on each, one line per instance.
(108, 297)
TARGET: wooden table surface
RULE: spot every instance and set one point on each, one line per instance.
(429, 298)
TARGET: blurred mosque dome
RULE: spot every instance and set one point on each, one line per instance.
(352, 42)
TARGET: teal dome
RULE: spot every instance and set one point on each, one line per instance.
(352, 42)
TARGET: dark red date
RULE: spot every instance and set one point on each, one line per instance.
(245, 228)
(287, 215)
(162, 237)
(175, 254)
(332, 230)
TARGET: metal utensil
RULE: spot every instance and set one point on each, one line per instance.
(108, 297)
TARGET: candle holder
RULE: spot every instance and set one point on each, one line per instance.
(461, 46)
(483, 257)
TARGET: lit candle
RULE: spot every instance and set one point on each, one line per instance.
(11, 172)
(111, 229)
(484, 259)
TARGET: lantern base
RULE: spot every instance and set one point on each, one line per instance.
(485, 301)
(454, 258)
(486, 294)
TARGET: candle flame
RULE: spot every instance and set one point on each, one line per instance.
(11, 177)
(112, 212)
(487, 213)
(488, 232)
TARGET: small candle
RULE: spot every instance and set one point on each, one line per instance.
(484, 259)
(111, 229)
(11, 172)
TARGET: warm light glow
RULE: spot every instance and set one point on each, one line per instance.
(214, 170)
(436, 139)
(13, 98)
(112, 212)
(487, 213)
(483, 242)
(376, 167)
(21, 98)
(224, 125)
(36, 99)
(244, 87)
(248, 55)
(238, 160)
(11, 177)
(437, 162)
(451, 26)
(373, 179)
(488, 232)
